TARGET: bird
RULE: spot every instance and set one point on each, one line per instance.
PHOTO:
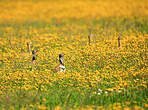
(33, 57)
(60, 67)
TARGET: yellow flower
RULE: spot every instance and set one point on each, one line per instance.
(146, 105)
(42, 107)
(57, 108)
(44, 100)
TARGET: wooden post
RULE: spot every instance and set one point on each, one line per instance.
(11, 44)
(89, 37)
(119, 41)
(29, 47)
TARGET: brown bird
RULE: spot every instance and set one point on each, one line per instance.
(60, 67)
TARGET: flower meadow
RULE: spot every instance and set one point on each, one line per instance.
(104, 44)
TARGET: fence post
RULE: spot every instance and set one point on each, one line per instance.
(11, 44)
(119, 41)
(29, 46)
(89, 37)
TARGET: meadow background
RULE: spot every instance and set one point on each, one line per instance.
(99, 74)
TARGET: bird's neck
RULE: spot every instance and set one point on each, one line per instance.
(61, 61)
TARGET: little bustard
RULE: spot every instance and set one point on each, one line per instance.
(33, 57)
(60, 67)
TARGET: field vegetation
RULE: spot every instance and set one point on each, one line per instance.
(105, 45)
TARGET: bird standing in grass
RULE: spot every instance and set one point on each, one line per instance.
(60, 67)
(33, 57)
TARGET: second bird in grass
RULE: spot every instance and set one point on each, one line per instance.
(60, 67)
(33, 57)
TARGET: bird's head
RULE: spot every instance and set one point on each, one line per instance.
(61, 55)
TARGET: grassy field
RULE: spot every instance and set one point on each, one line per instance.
(99, 75)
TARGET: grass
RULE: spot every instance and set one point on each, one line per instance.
(98, 76)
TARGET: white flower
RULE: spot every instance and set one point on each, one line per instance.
(120, 91)
(112, 90)
(99, 90)
(106, 92)
(99, 93)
